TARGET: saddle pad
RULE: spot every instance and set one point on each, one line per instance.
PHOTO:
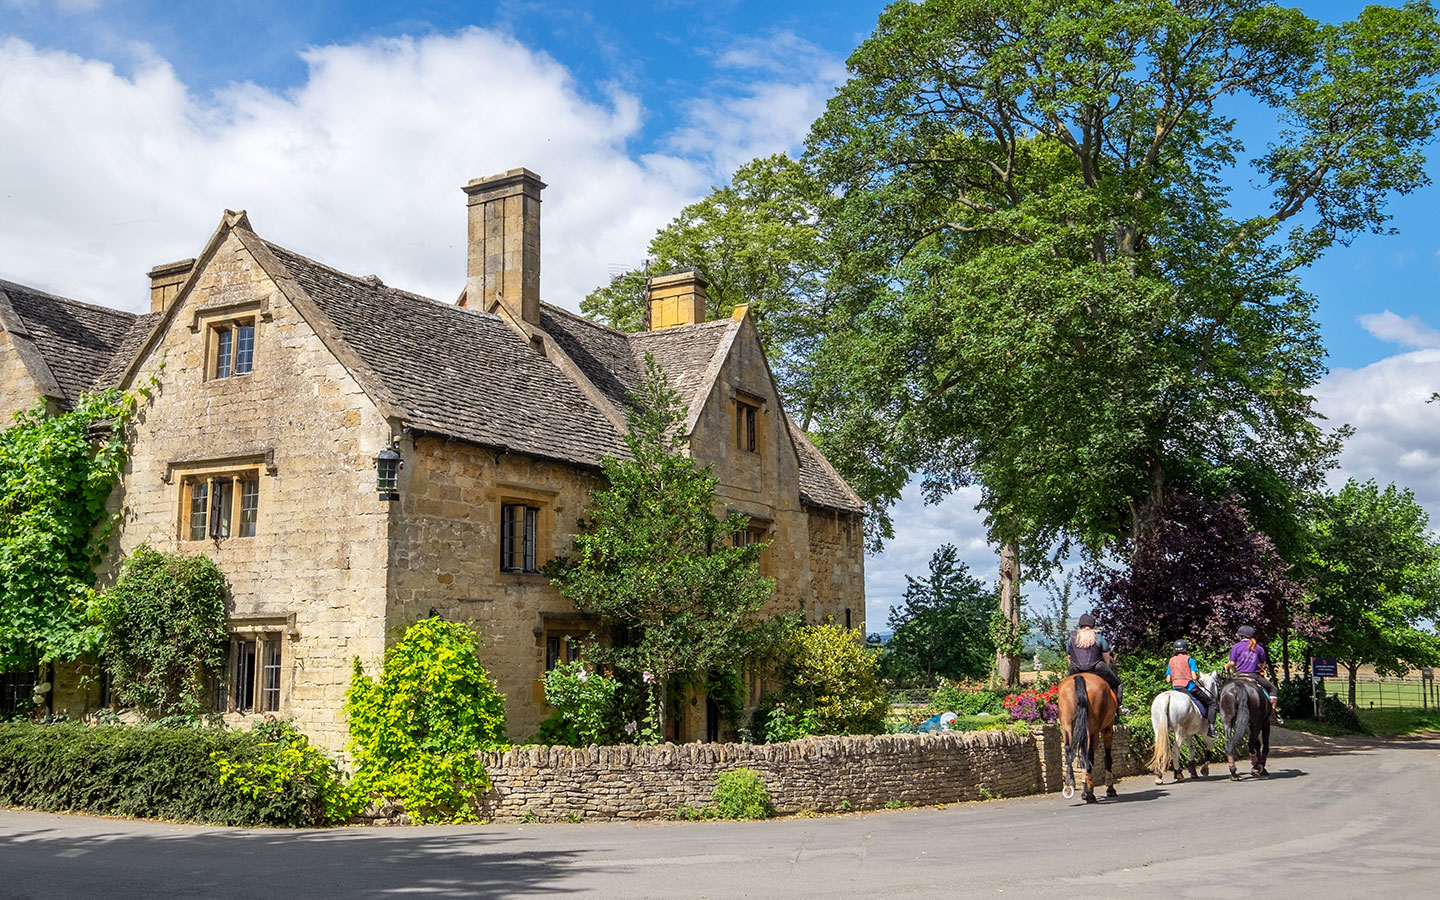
(1193, 699)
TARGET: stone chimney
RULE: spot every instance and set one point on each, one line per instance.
(503, 265)
(165, 282)
(676, 298)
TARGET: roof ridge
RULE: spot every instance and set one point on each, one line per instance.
(6, 283)
(585, 320)
(373, 283)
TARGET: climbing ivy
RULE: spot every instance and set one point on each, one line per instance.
(56, 473)
(164, 631)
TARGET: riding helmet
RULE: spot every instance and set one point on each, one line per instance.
(1246, 632)
(1087, 621)
(1181, 646)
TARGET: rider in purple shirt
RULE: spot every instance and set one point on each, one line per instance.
(1247, 658)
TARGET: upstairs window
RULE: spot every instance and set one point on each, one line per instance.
(745, 415)
(232, 350)
(211, 511)
(519, 537)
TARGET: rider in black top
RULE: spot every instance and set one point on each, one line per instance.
(1090, 652)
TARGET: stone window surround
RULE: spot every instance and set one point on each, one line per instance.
(542, 499)
(742, 400)
(213, 327)
(239, 468)
(267, 629)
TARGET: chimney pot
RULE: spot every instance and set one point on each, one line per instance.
(503, 257)
(166, 281)
(676, 298)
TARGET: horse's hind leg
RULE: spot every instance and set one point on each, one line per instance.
(1205, 750)
(1179, 762)
(1109, 772)
(1069, 771)
(1191, 747)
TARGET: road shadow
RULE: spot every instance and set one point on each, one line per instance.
(370, 864)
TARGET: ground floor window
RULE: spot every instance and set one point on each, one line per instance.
(253, 673)
(17, 692)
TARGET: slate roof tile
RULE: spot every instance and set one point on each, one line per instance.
(78, 340)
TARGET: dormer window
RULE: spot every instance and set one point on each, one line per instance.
(232, 348)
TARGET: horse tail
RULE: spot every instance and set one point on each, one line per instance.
(1080, 722)
(1242, 722)
(1160, 718)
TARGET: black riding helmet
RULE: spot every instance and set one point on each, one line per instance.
(1087, 621)
(1181, 646)
(1247, 632)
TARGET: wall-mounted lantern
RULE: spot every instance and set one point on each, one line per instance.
(387, 467)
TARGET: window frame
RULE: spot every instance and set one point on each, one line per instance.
(224, 341)
(528, 552)
(223, 509)
(747, 437)
(254, 673)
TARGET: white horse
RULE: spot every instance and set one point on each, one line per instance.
(1176, 720)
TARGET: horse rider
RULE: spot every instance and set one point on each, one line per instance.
(1246, 658)
(1090, 652)
(1181, 672)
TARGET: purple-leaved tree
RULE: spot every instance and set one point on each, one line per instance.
(1199, 574)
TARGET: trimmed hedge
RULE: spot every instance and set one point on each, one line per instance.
(145, 772)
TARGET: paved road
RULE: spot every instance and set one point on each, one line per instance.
(1352, 821)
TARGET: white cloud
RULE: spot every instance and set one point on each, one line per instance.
(360, 166)
(1407, 332)
(757, 117)
(1397, 433)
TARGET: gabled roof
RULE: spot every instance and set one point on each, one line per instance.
(76, 342)
(455, 371)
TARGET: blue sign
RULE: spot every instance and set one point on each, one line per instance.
(1324, 668)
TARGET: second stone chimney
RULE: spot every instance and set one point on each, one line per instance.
(676, 298)
(166, 281)
(503, 259)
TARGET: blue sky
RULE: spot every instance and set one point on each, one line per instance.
(346, 129)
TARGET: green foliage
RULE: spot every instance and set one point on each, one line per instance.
(286, 766)
(740, 794)
(784, 723)
(164, 631)
(585, 701)
(949, 698)
(415, 732)
(56, 473)
(828, 670)
(942, 627)
(170, 773)
(1374, 570)
(654, 562)
(1048, 287)
(727, 688)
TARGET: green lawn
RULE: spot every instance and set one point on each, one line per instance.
(1380, 694)
(1379, 722)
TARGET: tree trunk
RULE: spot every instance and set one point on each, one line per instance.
(1007, 664)
(1352, 667)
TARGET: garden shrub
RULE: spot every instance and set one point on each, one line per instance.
(950, 698)
(1031, 706)
(164, 773)
(585, 702)
(1295, 700)
(782, 723)
(740, 794)
(164, 624)
(417, 729)
(288, 765)
(829, 670)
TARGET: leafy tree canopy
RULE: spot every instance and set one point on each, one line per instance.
(164, 631)
(1046, 286)
(653, 560)
(1199, 574)
(942, 627)
(56, 473)
(1374, 570)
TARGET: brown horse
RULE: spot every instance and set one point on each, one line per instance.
(1087, 717)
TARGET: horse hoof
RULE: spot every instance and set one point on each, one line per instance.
(1159, 781)
(1068, 792)
(1179, 779)
(1234, 777)
(1111, 792)
(1205, 770)
(1091, 798)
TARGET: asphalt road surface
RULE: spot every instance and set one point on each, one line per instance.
(1333, 821)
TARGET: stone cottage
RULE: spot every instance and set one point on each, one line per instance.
(356, 457)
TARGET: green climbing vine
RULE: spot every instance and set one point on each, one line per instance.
(56, 473)
(164, 631)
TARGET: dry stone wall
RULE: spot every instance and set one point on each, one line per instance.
(824, 774)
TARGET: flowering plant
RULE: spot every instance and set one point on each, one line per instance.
(1031, 705)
